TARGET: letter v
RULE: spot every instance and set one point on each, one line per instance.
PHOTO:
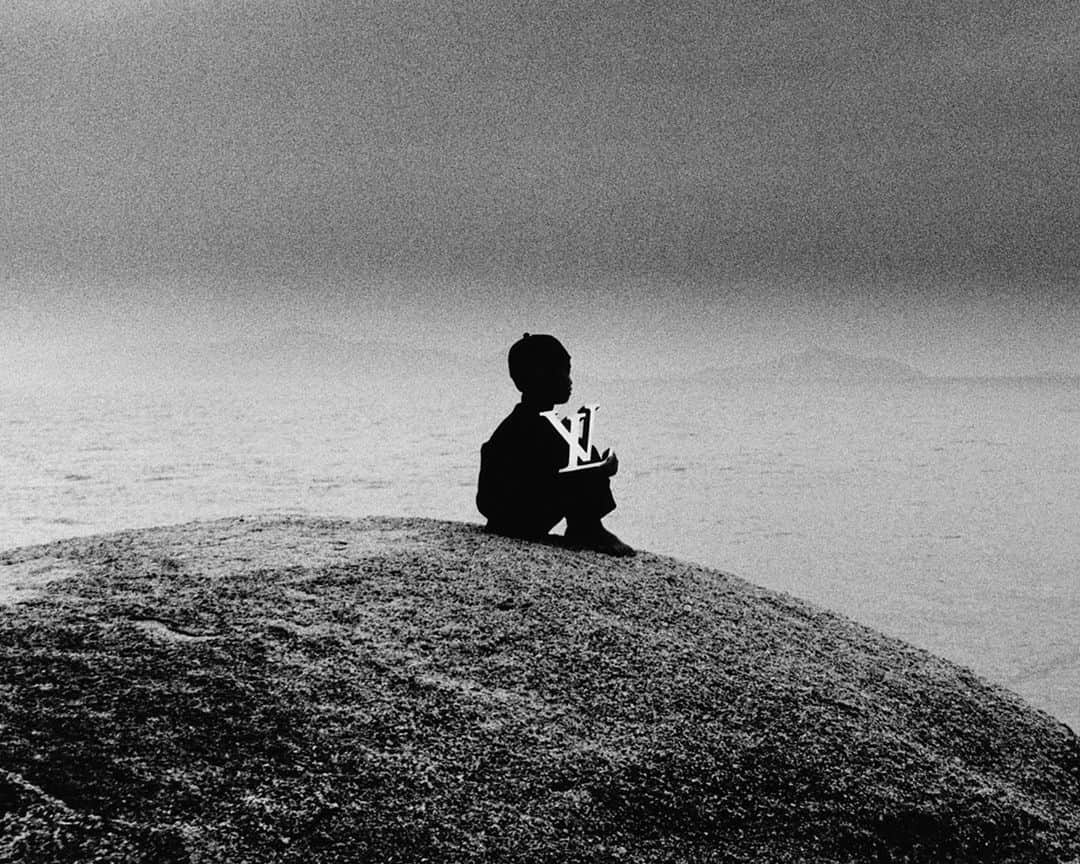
(577, 432)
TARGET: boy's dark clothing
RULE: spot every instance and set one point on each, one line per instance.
(521, 491)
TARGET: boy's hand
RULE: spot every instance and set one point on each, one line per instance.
(610, 463)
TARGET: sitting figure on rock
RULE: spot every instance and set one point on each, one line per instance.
(529, 479)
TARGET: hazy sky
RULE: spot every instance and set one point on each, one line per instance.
(722, 179)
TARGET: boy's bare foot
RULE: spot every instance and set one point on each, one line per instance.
(599, 539)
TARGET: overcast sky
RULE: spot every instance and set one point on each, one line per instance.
(653, 181)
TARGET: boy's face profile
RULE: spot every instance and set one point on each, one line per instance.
(550, 382)
(561, 385)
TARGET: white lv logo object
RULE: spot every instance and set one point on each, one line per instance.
(577, 431)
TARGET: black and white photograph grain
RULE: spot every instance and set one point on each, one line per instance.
(519, 432)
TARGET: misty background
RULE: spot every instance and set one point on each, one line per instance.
(817, 261)
(666, 186)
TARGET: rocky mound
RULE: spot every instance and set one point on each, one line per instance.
(386, 690)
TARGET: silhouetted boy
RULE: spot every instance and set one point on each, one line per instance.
(521, 490)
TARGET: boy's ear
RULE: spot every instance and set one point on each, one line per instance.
(522, 381)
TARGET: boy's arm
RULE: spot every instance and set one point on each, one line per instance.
(606, 462)
(519, 469)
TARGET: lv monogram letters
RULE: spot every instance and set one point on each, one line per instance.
(577, 431)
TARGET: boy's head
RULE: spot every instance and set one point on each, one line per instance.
(540, 368)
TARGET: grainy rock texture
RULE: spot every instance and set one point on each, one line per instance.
(388, 690)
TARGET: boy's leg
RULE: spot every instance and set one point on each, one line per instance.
(530, 523)
(586, 496)
(587, 500)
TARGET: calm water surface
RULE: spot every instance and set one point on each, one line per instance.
(942, 512)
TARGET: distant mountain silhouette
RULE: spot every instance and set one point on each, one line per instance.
(817, 365)
(308, 353)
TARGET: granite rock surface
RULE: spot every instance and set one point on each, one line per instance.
(281, 689)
